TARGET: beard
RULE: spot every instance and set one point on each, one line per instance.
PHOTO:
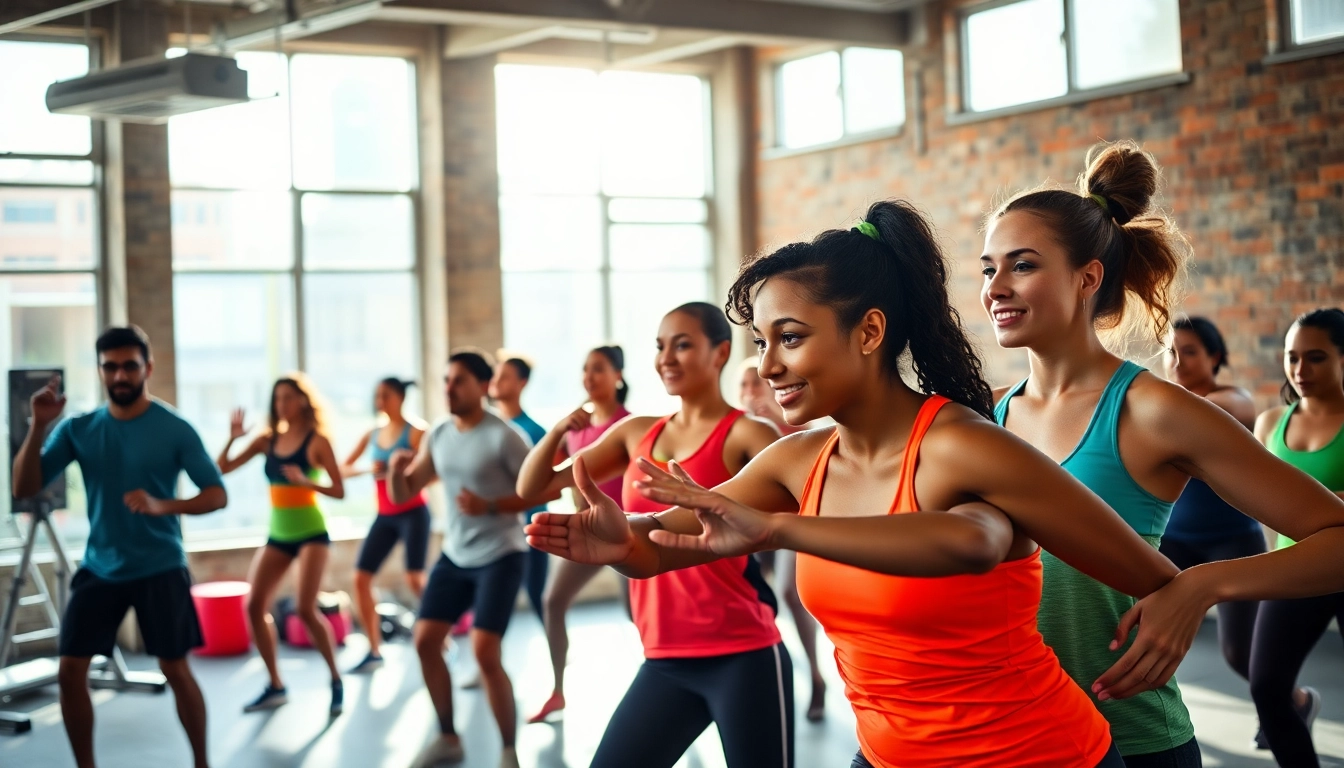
(125, 394)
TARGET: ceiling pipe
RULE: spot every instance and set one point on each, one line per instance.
(53, 14)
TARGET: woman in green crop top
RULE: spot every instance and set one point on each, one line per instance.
(1307, 433)
(1058, 266)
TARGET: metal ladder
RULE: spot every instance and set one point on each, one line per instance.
(110, 673)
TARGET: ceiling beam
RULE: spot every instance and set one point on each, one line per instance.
(753, 18)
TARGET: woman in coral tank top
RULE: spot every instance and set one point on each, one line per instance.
(712, 651)
(919, 518)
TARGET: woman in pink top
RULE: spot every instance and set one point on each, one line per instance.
(607, 390)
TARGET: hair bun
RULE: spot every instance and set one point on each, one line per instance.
(1124, 175)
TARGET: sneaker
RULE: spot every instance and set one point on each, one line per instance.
(440, 751)
(470, 680)
(508, 758)
(269, 699)
(1260, 742)
(371, 662)
(337, 697)
(1309, 712)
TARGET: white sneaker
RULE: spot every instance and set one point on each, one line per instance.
(440, 751)
(470, 679)
(508, 758)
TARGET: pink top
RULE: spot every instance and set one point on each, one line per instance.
(577, 441)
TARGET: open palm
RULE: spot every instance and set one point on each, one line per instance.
(729, 528)
(598, 535)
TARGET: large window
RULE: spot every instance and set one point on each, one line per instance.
(1316, 21)
(830, 96)
(49, 240)
(294, 248)
(1035, 50)
(604, 218)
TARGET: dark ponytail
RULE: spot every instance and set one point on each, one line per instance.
(1111, 219)
(901, 272)
(1328, 319)
(397, 385)
(616, 356)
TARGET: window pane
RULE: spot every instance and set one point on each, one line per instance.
(874, 89)
(636, 311)
(1317, 20)
(1110, 47)
(359, 329)
(27, 127)
(358, 231)
(232, 230)
(654, 210)
(538, 233)
(548, 129)
(353, 123)
(47, 228)
(243, 145)
(1016, 54)
(653, 134)
(810, 111)
(648, 247)
(50, 321)
(46, 171)
(555, 318)
(234, 336)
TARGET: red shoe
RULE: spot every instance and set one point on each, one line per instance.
(463, 625)
(554, 704)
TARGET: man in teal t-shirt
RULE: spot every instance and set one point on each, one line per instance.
(506, 390)
(130, 452)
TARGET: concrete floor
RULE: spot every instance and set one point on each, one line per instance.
(388, 715)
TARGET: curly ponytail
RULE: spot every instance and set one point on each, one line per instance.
(901, 272)
(1111, 219)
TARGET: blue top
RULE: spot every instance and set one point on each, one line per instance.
(119, 456)
(379, 453)
(535, 432)
(1201, 515)
(275, 463)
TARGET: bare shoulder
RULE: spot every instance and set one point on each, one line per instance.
(1236, 401)
(1154, 403)
(754, 430)
(1267, 421)
(631, 428)
(959, 433)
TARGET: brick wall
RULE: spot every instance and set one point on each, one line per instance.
(1254, 160)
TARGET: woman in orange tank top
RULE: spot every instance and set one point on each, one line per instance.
(712, 650)
(920, 517)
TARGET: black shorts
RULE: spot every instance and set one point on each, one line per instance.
(491, 591)
(411, 528)
(163, 608)
(292, 548)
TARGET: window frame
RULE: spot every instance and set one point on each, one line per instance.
(98, 220)
(960, 113)
(847, 138)
(296, 270)
(1282, 47)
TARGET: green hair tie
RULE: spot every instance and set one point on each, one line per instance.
(1099, 200)
(868, 229)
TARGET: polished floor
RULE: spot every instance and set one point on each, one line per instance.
(388, 715)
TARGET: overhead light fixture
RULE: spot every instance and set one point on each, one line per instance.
(311, 19)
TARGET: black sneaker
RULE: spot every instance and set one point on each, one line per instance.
(337, 697)
(270, 698)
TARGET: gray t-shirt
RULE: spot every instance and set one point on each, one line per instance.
(485, 460)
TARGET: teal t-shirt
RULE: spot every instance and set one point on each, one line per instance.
(116, 457)
(534, 432)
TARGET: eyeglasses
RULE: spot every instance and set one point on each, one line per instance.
(130, 367)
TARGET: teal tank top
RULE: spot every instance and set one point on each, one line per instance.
(1326, 464)
(1078, 614)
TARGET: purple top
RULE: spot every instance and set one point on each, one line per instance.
(577, 441)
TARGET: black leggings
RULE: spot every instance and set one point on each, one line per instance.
(1285, 632)
(1236, 621)
(748, 695)
(535, 566)
(1185, 756)
(1111, 760)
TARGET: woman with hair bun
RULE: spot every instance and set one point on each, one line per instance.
(1060, 266)
(407, 522)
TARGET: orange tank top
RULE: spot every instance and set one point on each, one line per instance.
(713, 609)
(947, 671)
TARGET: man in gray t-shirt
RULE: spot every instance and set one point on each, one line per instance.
(477, 455)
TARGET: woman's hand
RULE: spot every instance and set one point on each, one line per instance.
(580, 418)
(237, 429)
(295, 476)
(598, 535)
(1168, 621)
(730, 528)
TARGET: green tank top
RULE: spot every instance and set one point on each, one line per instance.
(1326, 464)
(1078, 614)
